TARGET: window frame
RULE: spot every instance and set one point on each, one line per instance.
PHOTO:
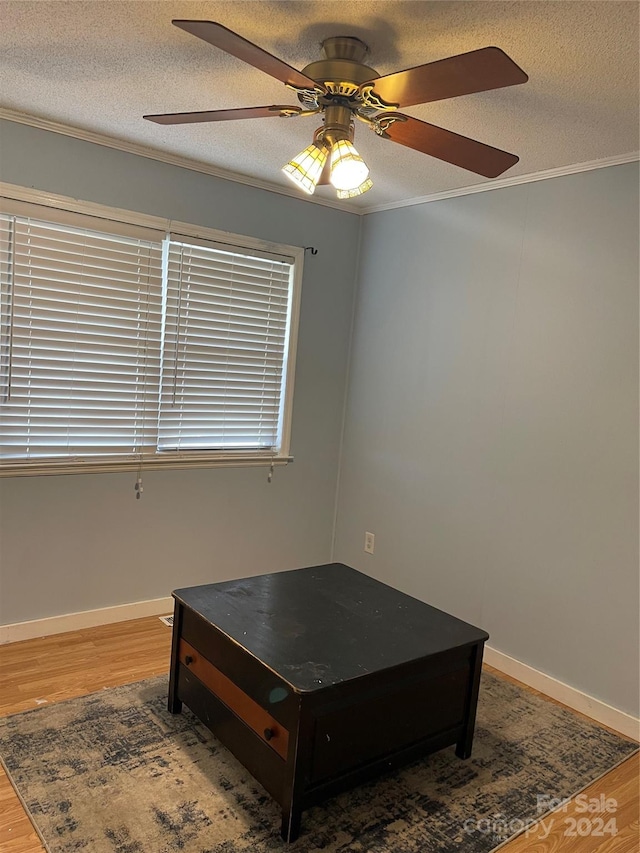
(186, 459)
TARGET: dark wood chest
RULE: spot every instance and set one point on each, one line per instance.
(320, 678)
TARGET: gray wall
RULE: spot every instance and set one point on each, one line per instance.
(72, 543)
(491, 438)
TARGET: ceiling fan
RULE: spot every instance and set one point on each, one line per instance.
(342, 89)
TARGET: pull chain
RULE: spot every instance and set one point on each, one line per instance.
(138, 487)
(270, 474)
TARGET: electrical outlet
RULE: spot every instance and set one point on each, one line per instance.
(369, 542)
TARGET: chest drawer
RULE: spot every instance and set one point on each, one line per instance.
(243, 706)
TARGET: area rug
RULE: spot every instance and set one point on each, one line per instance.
(114, 772)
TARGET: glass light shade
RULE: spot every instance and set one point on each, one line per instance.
(357, 191)
(305, 169)
(348, 169)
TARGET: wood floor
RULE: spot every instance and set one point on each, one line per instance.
(60, 667)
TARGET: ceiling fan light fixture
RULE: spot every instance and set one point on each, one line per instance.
(348, 169)
(306, 168)
(366, 185)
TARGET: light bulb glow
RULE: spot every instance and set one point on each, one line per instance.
(357, 191)
(305, 169)
(348, 169)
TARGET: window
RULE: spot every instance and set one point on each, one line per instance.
(123, 344)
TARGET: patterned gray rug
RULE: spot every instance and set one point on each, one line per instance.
(114, 772)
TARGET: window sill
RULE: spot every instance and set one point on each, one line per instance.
(42, 468)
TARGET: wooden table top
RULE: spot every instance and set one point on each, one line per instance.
(324, 625)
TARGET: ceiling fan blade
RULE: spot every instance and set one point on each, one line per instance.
(449, 146)
(476, 71)
(283, 110)
(232, 43)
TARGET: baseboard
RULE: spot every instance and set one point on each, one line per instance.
(572, 697)
(85, 619)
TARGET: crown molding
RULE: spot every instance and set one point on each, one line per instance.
(166, 157)
(571, 169)
(207, 169)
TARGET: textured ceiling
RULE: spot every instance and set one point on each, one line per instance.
(100, 65)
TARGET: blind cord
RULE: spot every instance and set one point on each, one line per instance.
(139, 488)
(10, 310)
(178, 329)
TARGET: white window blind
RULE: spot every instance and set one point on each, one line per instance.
(80, 338)
(123, 345)
(224, 347)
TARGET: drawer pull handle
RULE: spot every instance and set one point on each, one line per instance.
(268, 734)
(188, 659)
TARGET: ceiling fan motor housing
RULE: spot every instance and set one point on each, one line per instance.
(341, 73)
(344, 47)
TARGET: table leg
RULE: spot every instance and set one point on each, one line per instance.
(297, 763)
(291, 819)
(464, 745)
(175, 704)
